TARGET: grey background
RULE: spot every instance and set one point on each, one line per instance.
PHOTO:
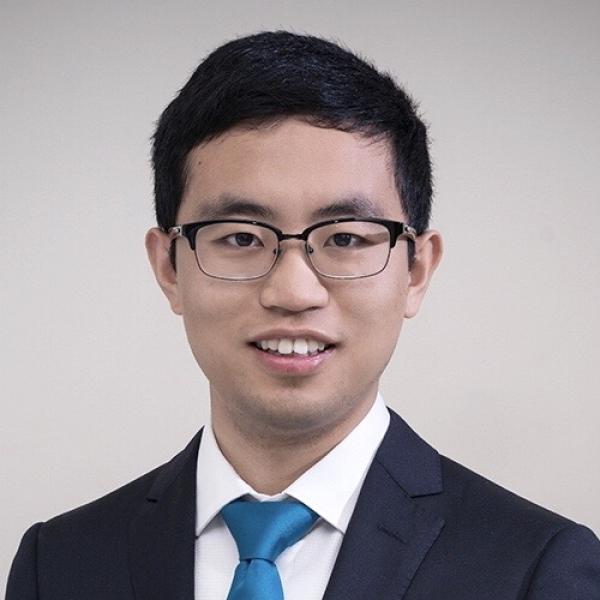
(499, 371)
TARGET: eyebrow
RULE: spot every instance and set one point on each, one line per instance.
(353, 206)
(228, 205)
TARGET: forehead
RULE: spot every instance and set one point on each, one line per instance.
(294, 171)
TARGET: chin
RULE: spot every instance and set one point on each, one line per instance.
(292, 413)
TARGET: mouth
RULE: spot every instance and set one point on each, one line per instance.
(293, 357)
(292, 347)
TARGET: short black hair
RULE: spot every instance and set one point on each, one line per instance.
(269, 76)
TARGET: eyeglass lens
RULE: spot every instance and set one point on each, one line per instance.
(245, 251)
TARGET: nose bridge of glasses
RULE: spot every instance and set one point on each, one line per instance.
(293, 236)
(303, 237)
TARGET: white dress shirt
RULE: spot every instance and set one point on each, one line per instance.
(330, 488)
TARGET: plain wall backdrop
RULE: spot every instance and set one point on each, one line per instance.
(500, 371)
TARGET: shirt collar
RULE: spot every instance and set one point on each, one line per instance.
(330, 487)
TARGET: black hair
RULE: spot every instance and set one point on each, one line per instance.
(266, 77)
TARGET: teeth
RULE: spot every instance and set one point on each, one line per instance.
(285, 346)
(300, 346)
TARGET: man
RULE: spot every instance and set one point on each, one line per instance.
(293, 192)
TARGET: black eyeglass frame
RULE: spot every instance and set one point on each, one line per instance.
(396, 229)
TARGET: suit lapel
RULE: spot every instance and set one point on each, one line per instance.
(390, 532)
(161, 536)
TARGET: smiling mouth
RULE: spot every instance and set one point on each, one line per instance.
(292, 347)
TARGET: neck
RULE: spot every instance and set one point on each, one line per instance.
(269, 460)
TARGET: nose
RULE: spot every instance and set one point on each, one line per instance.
(292, 285)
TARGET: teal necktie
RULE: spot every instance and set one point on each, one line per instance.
(262, 531)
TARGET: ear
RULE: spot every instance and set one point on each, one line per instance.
(428, 253)
(157, 247)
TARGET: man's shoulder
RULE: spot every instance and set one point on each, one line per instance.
(111, 512)
(481, 508)
(468, 501)
(478, 493)
(101, 514)
(87, 550)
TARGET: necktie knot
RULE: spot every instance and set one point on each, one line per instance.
(263, 530)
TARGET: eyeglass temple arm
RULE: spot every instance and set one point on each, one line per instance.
(409, 232)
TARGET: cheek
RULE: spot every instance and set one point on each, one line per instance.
(375, 313)
(379, 300)
(211, 315)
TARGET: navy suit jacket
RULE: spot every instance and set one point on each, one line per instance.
(424, 528)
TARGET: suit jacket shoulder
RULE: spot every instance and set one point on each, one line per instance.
(513, 535)
(89, 552)
(473, 502)
(435, 529)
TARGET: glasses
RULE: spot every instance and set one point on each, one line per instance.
(241, 250)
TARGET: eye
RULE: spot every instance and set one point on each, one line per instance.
(243, 239)
(344, 240)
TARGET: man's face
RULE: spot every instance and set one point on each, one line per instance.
(293, 170)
